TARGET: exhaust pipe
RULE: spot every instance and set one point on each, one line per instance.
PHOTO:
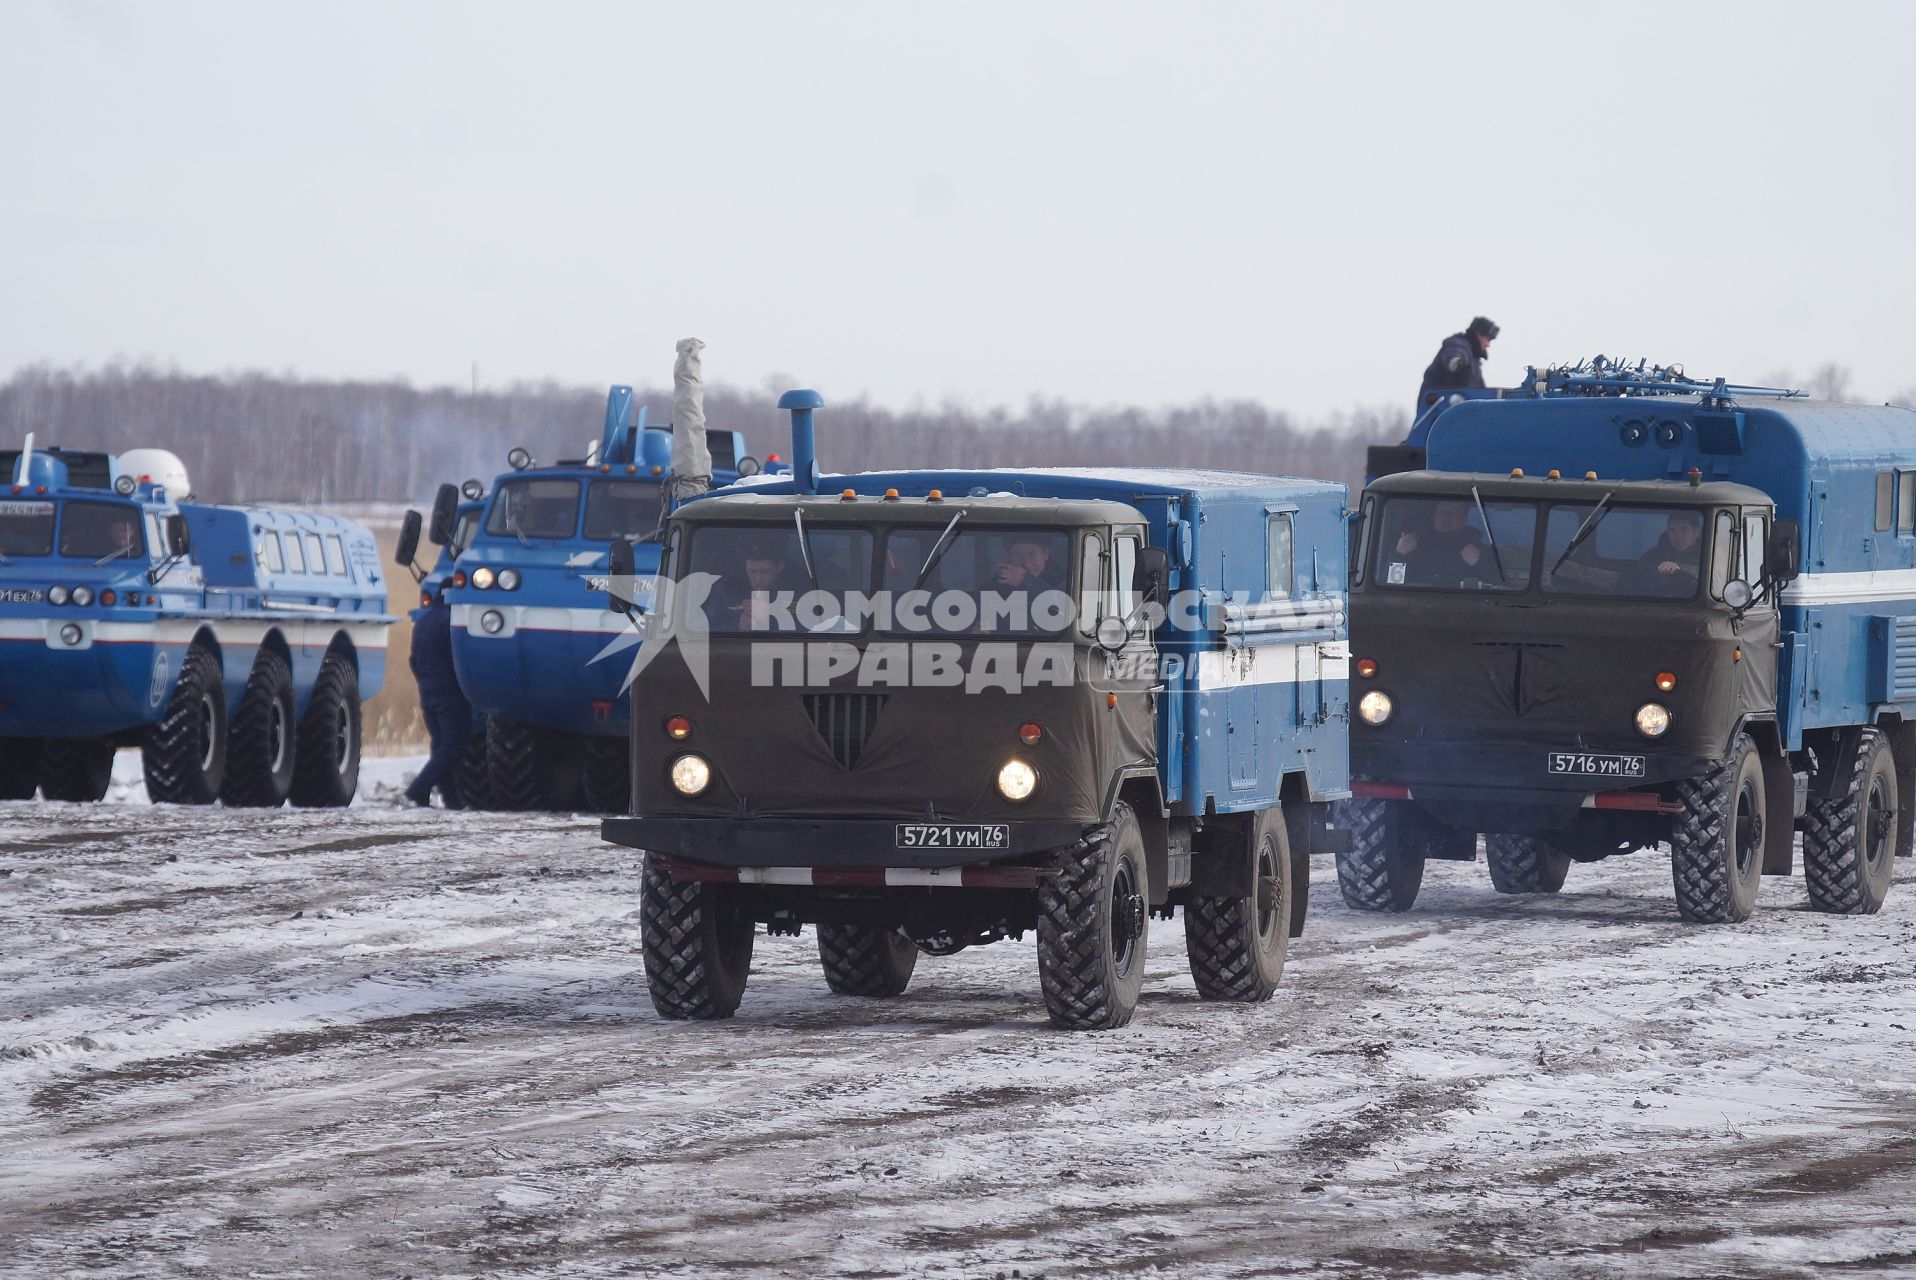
(804, 452)
(691, 456)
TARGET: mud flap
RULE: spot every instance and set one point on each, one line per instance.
(1779, 815)
(1902, 748)
(1300, 890)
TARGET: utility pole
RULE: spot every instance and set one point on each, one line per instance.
(475, 379)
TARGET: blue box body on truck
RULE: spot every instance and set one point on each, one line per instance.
(907, 757)
(234, 645)
(1767, 689)
(529, 614)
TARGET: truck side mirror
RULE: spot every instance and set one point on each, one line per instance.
(445, 509)
(408, 539)
(179, 539)
(620, 568)
(1153, 580)
(1785, 552)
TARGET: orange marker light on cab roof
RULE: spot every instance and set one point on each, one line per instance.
(1553, 474)
(849, 495)
(935, 495)
(1666, 680)
(1111, 701)
(891, 495)
(1516, 473)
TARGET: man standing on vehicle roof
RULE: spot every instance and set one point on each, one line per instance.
(441, 700)
(1460, 360)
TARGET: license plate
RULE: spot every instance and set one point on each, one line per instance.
(1592, 764)
(21, 595)
(953, 835)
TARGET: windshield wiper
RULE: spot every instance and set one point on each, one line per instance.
(1590, 523)
(512, 527)
(1494, 553)
(805, 546)
(114, 554)
(938, 550)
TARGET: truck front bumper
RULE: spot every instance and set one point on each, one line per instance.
(840, 843)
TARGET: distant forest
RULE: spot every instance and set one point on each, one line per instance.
(255, 437)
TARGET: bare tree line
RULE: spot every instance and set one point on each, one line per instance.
(258, 437)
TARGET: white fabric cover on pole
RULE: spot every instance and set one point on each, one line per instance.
(691, 459)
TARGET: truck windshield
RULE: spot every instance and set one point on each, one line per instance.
(621, 509)
(1624, 551)
(535, 508)
(1463, 543)
(101, 531)
(982, 581)
(765, 583)
(26, 528)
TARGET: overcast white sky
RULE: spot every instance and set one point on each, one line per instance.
(1106, 202)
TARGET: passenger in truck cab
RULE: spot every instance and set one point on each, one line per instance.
(1026, 567)
(1448, 549)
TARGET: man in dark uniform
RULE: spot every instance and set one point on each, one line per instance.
(448, 714)
(1460, 361)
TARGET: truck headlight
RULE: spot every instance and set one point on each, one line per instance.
(1017, 780)
(482, 578)
(492, 622)
(1653, 719)
(56, 595)
(691, 775)
(1375, 707)
(71, 635)
(508, 579)
(83, 595)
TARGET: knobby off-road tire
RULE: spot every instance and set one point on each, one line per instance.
(19, 768)
(1383, 868)
(326, 763)
(1525, 864)
(608, 775)
(1237, 945)
(1849, 843)
(865, 960)
(184, 755)
(1093, 922)
(264, 743)
(529, 768)
(475, 779)
(698, 946)
(1716, 843)
(76, 769)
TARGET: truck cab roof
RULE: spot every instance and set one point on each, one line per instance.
(1674, 493)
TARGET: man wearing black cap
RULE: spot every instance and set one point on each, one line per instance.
(1460, 361)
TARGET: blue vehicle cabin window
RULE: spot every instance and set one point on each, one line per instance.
(335, 556)
(315, 555)
(1723, 566)
(101, 531)
(1622, 551)
(1442, 543)
(621, 509)
(295, 559)
(1906, 502)
(1885, 499)
(269, 552)
(1282, 571)
(535, 508)
(26, 528)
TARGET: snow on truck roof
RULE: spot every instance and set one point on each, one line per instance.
(1076, 482)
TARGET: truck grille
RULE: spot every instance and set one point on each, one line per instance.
(844, 721)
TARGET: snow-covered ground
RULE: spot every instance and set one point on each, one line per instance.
(392, 1042)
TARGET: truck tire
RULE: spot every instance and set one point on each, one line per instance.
(475, 781)
(19, 768)
(1525, 864)
(1093, 923)
(1716, 843)
(1383, 869)
(865, 960)
(529, 768)
(608, 775)
(260, 756)
(184, 755)
(698, 946)
(1849, 843)
(326, 763)
(1237, 945)
(76, 769)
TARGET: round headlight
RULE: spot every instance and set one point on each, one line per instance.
(519, 459)
(1374, 706)
(472, 490)
(492, 622)
(1017, 780)
(125, 485)
(56, 595)
(691, 775)
(508, 579)
(1653, 719)
(482, 577)
(70, 634)
(83, 595)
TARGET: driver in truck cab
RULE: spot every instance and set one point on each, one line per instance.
(1448, 547)
(1026, 566)
(1677, 551)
